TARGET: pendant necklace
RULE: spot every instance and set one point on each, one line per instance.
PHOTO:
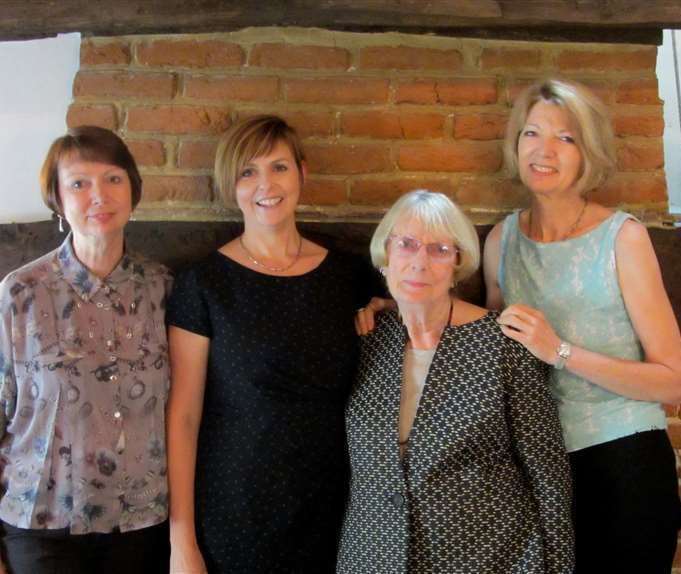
(272, 269)
(570, 231)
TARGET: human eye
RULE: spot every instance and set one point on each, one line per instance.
(246, 172)
(408, 244)
(567, 139)
(115, 178)
(529, 132)
(281, 167)
(440, 250)
(76, 184)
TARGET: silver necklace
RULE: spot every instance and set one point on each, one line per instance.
(273, 269)
(570, 231)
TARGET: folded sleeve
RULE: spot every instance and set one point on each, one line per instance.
(187, 307)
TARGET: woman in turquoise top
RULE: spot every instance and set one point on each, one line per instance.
(585, 294)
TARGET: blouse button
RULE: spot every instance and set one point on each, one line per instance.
(112, 358)
(113, 378)
(109, 343)
(100, 305)
(117, 415)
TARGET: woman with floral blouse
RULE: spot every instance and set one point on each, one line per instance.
(84, 380)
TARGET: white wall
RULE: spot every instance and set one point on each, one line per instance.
(668, 75)
(37, 80)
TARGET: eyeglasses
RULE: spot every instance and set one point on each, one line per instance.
(409, 246)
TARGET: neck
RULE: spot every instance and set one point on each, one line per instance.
(272, 244)
(426, 322)
(100, 255)
(551, 219)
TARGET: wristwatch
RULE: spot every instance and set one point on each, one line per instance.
(563, 351)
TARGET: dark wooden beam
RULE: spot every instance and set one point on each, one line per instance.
(571, 20)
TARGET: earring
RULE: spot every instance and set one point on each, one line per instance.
(61, 223)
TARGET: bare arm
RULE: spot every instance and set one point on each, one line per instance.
(188, 363)
(490, 262)
(658, 377)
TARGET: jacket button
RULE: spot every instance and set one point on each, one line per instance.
(398, 500)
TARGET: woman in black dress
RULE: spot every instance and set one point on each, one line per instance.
(263, 352)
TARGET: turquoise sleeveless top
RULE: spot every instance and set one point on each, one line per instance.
(574, 282)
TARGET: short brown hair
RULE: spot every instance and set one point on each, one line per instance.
(247, 139)
(89, 143)
(589, 117)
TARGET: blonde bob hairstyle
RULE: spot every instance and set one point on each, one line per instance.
(588, 118)
(440, 217)
(250, 138)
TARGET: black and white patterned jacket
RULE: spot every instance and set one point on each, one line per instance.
(484, 486)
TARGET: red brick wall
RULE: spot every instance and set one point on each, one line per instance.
(379, 113)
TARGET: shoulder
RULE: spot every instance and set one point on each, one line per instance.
(29, 276)
(149, 267)
(632, 232)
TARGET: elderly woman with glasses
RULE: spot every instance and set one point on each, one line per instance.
(456, 454)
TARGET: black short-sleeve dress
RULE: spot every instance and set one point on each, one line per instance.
(271, 471)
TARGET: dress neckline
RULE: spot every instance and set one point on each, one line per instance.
(237, 265)
(562, 241)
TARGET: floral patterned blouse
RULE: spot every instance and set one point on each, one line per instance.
(84, 380)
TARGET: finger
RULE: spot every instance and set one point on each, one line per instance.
(516, 322)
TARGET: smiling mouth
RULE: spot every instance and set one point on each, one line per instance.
(269, 201)
(543, 169)
(101, 216)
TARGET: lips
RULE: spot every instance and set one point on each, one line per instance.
(269, 201)
(543, 169)
(101, 217)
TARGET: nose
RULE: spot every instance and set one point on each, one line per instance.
(264, 181)
(547, 147)
(420, 259)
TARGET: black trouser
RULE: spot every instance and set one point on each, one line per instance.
(144, 551)
(626, 505)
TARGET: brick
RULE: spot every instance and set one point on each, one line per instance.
(124, 85)
(455, 156)
(147, 152)
(620, 61)
(92, 115)
(337, 91)
(632, 189)
(633, 156)
(318, 191)
(306, 124)
(480, 126)
(112, 53)
(388, 125)
(674, 431)
(385, 192)
(638, 92)
(197, 154)
(509, 58)
(178, 119)
(286, 56)
(464, 91)
(240, 88)
(490, 192)
(409, 58)
(190, 54)
(176, 188)
(348, 159)
(648, 125)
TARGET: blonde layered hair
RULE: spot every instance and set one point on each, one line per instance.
(588, 118)
(250, 138)
(440, 217)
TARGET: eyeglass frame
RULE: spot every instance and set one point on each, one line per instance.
(453, 255)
